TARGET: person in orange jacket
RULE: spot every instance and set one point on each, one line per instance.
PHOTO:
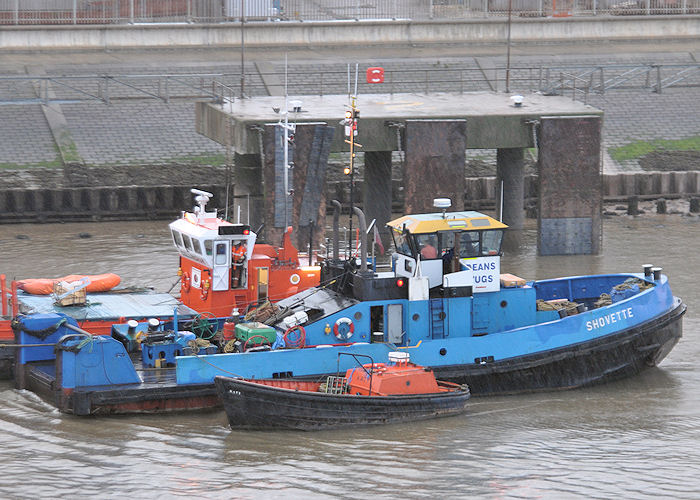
(238, 257)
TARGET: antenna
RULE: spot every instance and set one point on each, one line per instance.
(285, 146)
(356, 72)
(351, 118)
(500, 211)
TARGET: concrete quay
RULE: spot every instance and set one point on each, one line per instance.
(148, 134)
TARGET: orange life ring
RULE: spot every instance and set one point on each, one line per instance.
(185, 282)
(343, 328)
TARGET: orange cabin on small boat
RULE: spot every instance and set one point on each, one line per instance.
(398, 377)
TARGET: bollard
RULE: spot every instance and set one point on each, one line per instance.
(657, 273)
(661, 206)
(647, 270)
(633, 205)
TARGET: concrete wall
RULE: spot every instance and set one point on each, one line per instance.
(266, 34)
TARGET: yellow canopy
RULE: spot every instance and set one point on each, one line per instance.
(450, 221)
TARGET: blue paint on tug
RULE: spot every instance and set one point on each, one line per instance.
(455, 313)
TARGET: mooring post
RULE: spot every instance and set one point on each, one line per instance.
(661, 206)
(633, 205)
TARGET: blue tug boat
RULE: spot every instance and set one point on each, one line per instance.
(448, 304)
(445, 302)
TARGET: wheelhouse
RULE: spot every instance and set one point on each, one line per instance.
(442, 245)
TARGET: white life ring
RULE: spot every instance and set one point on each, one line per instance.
(294, 279)
(343, 328)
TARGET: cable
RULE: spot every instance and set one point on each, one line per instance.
(297, 342)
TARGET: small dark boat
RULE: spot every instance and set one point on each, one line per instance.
(370, 394)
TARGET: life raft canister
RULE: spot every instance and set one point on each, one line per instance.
(343, 328)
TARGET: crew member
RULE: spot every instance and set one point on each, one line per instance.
(237, 257)
(427, 249)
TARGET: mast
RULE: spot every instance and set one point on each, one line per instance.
(351, 117)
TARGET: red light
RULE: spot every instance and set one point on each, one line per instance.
(399, 283)
(246, 231)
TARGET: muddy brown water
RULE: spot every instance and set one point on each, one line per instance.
(637, 438)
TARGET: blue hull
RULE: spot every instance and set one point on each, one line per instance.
(595, 346)
(496, 343)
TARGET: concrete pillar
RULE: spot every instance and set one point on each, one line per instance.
(570, 181)
(247, 181)
(309, 153)
(435, 158)
(376, 194)
(509, 178)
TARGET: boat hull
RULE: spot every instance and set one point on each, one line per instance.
(613, 357)
(254, 406)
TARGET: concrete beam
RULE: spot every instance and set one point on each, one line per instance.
(492, 121)
(348, 33)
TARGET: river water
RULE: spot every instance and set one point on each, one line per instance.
(638, 438)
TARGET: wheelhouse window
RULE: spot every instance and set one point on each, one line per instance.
(427, 245)
(188, 242)
(402, 243)
(177, 238)
(491, 242)
(221, 251)
(197, 247)
(469, 244)
(208, 247)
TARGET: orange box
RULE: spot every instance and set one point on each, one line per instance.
(511, 281)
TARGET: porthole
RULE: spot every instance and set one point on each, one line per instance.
(358, 315)
(504, 303)
(443, 351)
(416, 317)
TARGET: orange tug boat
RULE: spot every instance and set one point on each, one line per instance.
(368, 394)
(223, 268)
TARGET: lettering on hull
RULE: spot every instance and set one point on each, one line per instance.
(609, 319)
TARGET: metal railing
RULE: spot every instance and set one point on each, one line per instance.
(43, 12)
(576, 81)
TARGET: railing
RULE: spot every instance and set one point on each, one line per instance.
(577, 81)
(43, 12)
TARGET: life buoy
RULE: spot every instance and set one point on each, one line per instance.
(185, 282)
(343, 328)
